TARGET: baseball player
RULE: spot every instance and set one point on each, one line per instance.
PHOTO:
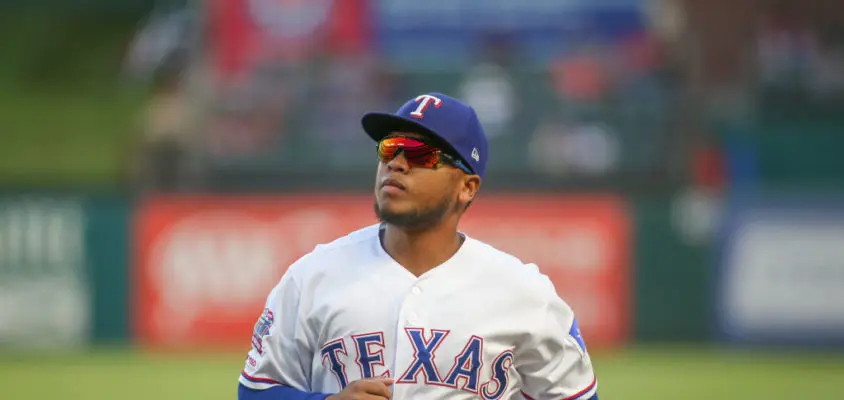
(412, 308)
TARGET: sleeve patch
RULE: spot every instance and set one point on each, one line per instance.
(578, 337)
(262, 328)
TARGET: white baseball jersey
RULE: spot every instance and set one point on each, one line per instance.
(481, 325)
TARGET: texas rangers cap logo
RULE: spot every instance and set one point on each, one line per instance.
(425, 101)
(262, 328)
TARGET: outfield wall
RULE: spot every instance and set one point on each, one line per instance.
(188, 272)
(194, 271)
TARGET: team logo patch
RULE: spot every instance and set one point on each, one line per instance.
(578, 337)
(262, 328)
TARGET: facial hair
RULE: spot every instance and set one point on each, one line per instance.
(418, 219)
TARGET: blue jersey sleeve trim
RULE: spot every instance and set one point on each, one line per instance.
(277, 393)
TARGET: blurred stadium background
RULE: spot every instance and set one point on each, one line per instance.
(674, 165)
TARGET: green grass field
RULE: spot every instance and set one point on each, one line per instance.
(643, 373)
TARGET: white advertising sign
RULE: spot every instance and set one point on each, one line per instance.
(782, 278)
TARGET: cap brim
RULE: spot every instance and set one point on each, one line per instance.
(379, 125)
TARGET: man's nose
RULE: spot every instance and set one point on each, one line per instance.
(398, 163)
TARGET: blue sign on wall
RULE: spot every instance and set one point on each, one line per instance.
(448, 31)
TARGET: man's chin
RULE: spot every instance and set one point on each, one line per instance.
(408, 219)
(388, 212)
(406, 215)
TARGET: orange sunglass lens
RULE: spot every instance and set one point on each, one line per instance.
(416, 152)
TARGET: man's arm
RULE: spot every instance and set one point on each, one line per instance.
(281, 349)
(278, 365)
(371, 388)
(277, 393)
(555, 365)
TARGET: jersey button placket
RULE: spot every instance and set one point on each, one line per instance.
(408, 318)
(410, 304)
(412, 319)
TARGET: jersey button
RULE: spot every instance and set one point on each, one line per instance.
(412, 319)
(416, 290)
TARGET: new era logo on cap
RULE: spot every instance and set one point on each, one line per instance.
(437, 114)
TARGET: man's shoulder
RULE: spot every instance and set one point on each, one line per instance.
(506, 266)
(507, 273)
(348, 247)
(351, 240)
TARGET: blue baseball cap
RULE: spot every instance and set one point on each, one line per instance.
(455, 123)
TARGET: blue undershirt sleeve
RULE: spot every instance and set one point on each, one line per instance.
(277, 393)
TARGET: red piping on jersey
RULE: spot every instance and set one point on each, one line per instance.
(576, 395)
(259, 380)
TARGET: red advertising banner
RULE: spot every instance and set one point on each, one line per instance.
(204, 266)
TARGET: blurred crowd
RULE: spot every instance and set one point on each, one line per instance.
(566, 90)
(798, 56)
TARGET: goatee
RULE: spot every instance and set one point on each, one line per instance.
(418, 219)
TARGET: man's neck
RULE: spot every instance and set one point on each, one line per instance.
(423, 250)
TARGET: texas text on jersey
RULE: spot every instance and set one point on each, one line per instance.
(481, 325)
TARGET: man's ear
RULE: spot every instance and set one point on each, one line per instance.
(470, 185)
